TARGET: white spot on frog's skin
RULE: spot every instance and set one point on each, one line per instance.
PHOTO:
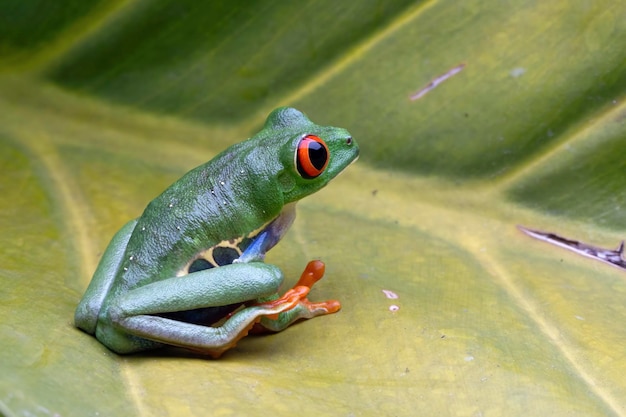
(125, 269)
(242, 171)
(177, 227)
(222, 183)
(390, 294)
(143, 229)
(171, 205)
(393, 308)
(131, 257)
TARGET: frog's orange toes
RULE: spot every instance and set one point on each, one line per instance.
(323, 307)
(313, 272)
(288, 301)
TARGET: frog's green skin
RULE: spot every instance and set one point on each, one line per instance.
(156, 284)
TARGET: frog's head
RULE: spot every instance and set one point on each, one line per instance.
(310, 155)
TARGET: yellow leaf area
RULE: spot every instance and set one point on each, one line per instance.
(486, 321)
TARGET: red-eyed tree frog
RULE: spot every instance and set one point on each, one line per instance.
(190, 273)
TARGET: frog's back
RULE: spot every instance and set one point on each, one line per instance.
(222, 200)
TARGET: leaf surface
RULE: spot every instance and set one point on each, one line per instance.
(103, 104)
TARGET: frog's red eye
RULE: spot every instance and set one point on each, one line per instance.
(311, 156)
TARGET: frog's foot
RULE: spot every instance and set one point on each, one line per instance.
(288, 301)
(273, 308)
(313, 272)
(302, 308)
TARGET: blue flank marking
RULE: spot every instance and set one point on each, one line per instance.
(257, 249)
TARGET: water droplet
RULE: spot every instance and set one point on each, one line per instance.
(390, 294)
(517, 72)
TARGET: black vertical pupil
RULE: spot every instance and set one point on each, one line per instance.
(317, 154)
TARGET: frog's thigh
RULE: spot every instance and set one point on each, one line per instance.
(229, 284)
(86, 315)
(134, 312)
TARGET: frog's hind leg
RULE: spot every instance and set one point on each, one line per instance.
(212, 341)
(304, 309)
(138, 324)
(88, 310)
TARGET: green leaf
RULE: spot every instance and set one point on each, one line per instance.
(103, 104)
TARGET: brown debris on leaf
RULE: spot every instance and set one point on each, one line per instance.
(610, 256)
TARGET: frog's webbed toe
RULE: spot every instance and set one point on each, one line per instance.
(303, 308)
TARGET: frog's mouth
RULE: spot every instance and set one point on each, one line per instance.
(346, 167)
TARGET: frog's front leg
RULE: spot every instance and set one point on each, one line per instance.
(136, 312)
(304, 309)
